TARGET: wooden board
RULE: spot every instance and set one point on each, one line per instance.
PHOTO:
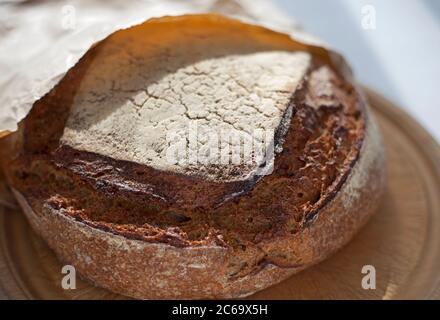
(401, 241)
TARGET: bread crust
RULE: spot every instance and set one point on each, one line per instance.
(146, 270)
(100, 215)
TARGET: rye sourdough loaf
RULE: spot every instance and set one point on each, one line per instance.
(97, 169)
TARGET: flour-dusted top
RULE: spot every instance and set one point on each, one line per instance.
(209, 117)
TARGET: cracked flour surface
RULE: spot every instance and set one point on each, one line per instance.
(191, 118)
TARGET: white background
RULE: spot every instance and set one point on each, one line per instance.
(400, 58)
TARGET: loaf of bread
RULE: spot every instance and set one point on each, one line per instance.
(124, 170)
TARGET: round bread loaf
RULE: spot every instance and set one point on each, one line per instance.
(213, 164)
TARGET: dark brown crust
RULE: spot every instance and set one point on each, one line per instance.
(165, 189)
